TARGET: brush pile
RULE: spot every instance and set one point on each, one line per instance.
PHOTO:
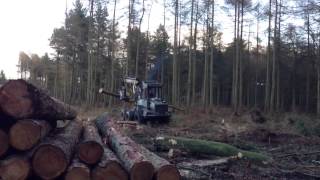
(33, 147)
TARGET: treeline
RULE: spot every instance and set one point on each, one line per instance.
(275, 69)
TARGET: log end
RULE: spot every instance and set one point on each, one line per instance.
(4, 145)
(14, 97)
(90, 152)
(168, 172)
(49, 162)
(143, 170)
(15, 169)
(24, 135)
(78, 173)
(113, 171)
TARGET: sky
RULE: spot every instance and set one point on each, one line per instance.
(27, 25)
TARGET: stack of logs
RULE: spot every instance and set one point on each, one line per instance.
(33, 147)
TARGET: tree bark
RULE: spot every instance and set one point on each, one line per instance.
(206, 147)
(163, 169)
(109, 168)
(77, 170)
(189, 85)
(126, 149)
(4, 145)
(22, 100)
(267, 91)
(91, 148)
(194, 58)
(25, 134)
(52, 157)
(15, 168)
(274, 63)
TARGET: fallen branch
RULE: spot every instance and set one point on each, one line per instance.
(298, 154)
(207, 147)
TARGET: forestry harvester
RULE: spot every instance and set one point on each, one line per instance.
(147, 98)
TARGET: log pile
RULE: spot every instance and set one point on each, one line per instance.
(32, 147)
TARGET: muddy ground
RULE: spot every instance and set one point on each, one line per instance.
(292, 140)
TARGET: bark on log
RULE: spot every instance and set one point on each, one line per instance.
(78, 170)
(25, 134)
(207, 147)
(15, 168)
(4, 143)
(52, 157)
(163, 169)
(91, 147)
(126, 149)
(22, 100)
(109, 168)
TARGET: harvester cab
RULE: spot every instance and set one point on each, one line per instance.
(147, 99)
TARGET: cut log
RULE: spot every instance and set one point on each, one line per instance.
(25, 134)
(91, 147)
(15, 168)
(126, 149)
(207, 147)
(22, 100)
(4, 143)
(163, 169)
(52, 156)
(78, 170)
(109, 168)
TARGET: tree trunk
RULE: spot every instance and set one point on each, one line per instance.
(109, 168)
(25, 134)
(134, 162)
(163, 169)
(91, 148)
(21, 100)
(175, 59)
(274, 63)
(267, 91)
(318, 89)
(4, 145)
(15, 168)
(211, 80)
(138, 42)
(52, 157)
(194, 58)
(189, 84)
(77, 170)
(113, 50)
(206, 147)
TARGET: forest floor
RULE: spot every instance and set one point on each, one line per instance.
(291, 139)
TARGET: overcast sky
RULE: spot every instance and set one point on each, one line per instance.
(27, 25)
